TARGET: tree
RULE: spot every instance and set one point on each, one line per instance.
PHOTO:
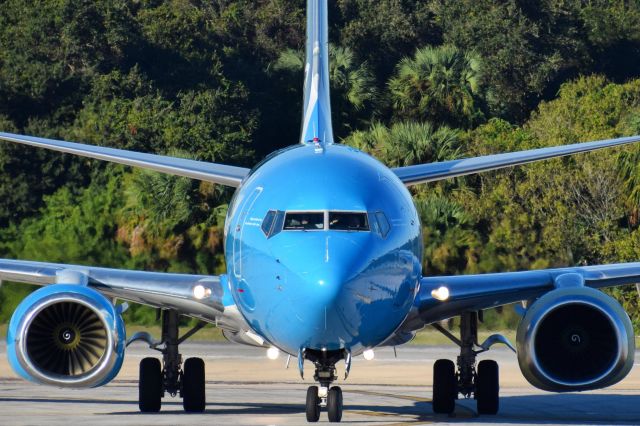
(523, 48)
(450, 240)
(383, 32)
(439, 84)
(51, 51)
(172, 223)
(407, 143)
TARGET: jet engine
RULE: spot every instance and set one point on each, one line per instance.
(66, 336)
(575, 339)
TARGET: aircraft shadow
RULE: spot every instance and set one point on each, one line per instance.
(570, 409)
(222, 408)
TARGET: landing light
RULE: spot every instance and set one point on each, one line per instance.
(368, 354)
(273, 353)
(200, 292)
(440, 293)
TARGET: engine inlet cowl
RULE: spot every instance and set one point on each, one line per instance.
(574, 339)
(66, 336)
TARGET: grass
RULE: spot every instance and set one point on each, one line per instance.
(208, 333)
(429, 336)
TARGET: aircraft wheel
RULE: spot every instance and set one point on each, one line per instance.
(488, 387)
(444, 386)
(334, 404)
(193, 389)
(313, 404)
(150, 385)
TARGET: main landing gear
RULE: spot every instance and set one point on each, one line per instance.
(482, 383)
(325, 395)
(157, 379)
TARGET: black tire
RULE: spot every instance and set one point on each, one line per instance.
(150, 385)
(488, 387)
(313, 404)
(334, 404)
(444, 386)
(193, 388)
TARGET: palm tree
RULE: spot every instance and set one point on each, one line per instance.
(407, 143)
(441, 84)
(448, 234)
(354, 81)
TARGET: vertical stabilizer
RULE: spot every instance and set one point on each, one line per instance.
(316, 118)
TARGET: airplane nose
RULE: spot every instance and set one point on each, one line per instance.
(318, 311)
(321, 291)
(323, 288)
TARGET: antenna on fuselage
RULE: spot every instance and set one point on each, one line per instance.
(316, 112)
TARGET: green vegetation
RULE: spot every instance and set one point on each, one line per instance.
(413, 81)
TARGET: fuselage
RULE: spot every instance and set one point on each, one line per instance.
(300, 274)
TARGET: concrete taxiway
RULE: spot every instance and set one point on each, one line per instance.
(245, 388)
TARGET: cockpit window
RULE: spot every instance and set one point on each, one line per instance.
(305, 221)
(348, 221)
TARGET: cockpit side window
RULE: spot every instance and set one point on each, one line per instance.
(348, 221)
(383, 224)
(304, 221)
(267, 222)
(272, 222)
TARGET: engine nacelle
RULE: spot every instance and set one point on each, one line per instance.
(66, 336)
(575, 339)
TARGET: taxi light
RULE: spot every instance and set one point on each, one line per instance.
(368, 354)
(440, 293)
(200, 292)
(273, 353)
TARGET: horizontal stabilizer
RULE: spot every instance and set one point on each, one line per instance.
(201, 170)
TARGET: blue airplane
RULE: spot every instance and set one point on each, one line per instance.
(323, 252)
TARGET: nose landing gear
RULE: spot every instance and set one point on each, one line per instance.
(330, 398)
(325, 395)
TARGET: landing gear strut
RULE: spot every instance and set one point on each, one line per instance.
(171, 378)
(482, 383)
(326, 395)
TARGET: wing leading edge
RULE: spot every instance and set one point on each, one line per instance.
(157, 289)
(477, 292)
(201, 170)
(421, 173)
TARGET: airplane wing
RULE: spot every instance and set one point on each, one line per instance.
(156, 289)
(483, 291)
(421, 173)
(201, 170)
